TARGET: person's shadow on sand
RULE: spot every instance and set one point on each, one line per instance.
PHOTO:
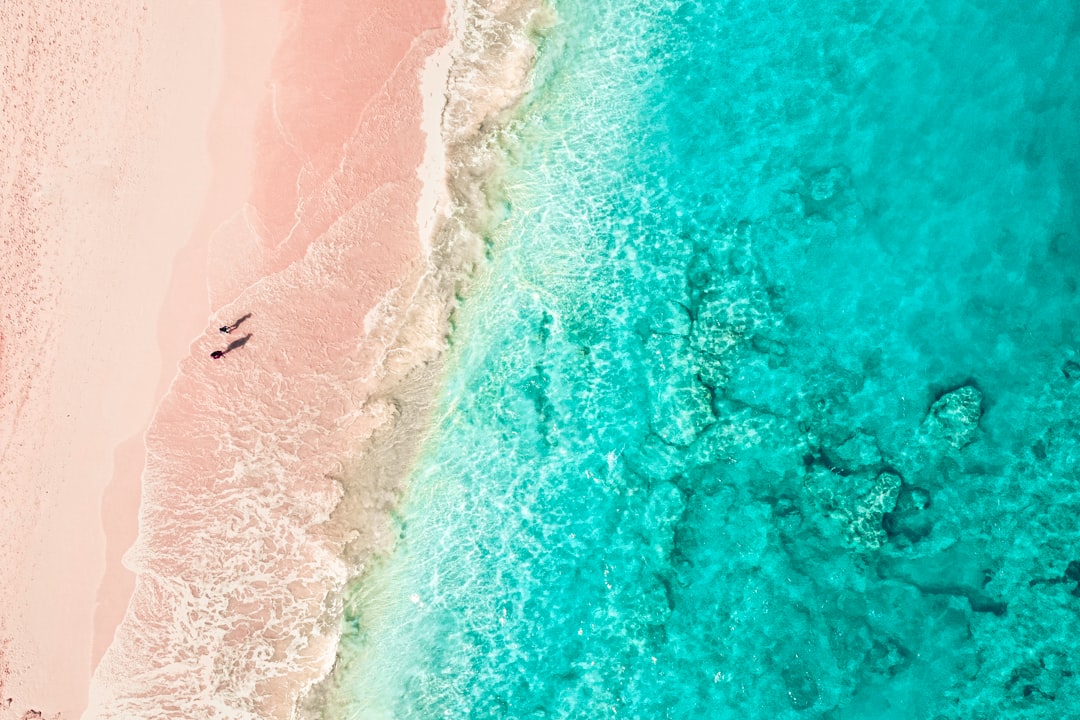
(229, 328)
(238, 343)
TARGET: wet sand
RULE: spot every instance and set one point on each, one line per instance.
(246, 33)
(237, 560)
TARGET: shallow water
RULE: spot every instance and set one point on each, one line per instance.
(766, 409)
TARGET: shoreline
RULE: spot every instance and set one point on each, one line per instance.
(268, 479)
(467, 130)
(237, 555)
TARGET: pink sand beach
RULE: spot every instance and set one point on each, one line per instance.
(166, 169)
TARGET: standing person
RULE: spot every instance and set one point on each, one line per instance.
(217, 354)
(225, 329)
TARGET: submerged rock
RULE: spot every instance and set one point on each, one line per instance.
(858, 452)
(746, 435)
(825, 185)
(680, 406)
(954, 417)
(879, 499)
(680, 413)
(802, 690)
(962, 570)
(655, 459)
(857, 502)
(887, 657)
(909, 521)
(721, 322)
(1072, 575)
(669, 317)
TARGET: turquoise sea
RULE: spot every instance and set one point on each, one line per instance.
(767, 405)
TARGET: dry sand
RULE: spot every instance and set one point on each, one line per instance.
(104, 171)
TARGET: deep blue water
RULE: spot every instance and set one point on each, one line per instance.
(767, 408)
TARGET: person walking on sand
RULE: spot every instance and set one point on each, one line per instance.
(226, 329)
(217, 354)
